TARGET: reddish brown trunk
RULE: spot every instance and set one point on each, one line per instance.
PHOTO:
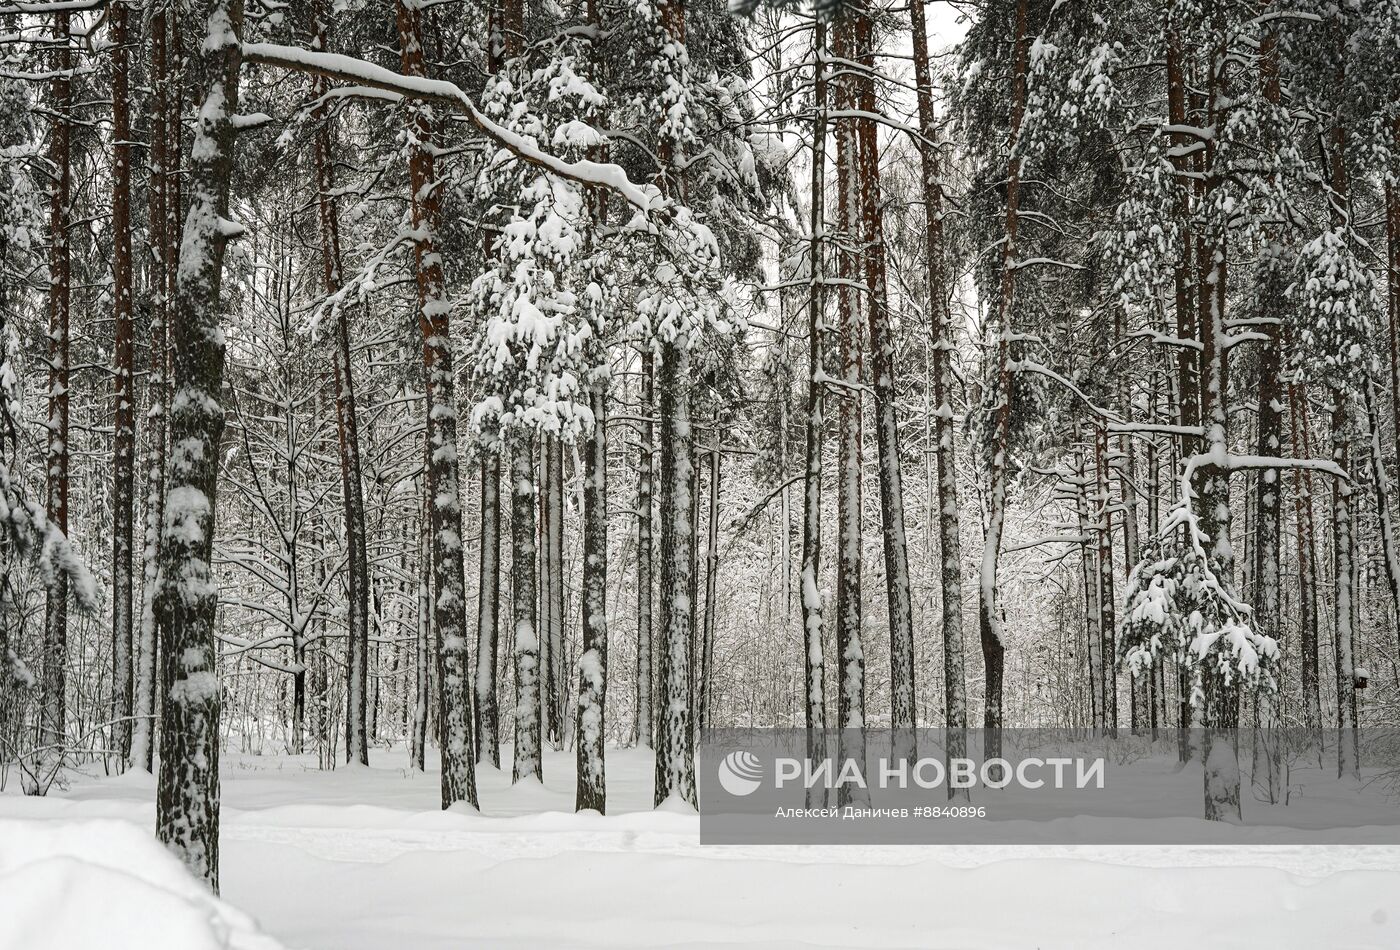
(124, 399)
(56, 607)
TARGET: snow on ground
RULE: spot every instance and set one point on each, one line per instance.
(362, 858)
(108, 884)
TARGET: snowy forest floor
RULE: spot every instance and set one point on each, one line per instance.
(362, 858)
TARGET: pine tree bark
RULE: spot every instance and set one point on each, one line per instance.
(60, 274)
(705, 676)
(675, 733)
(849, 499)
(1107, 599)
(675, 742)
(1344, 562)
(187, 798)
(487, 719)
(526, 640)
(422, 656)
(942, 333)
(449, 595)
(1307, 566)
(590, 725)
(989, 621)
(903, 715)
(124, 397)
(1392, 230)
(1268, 492)
(1088, 562)
(1380, 484)
(347, 427)
(553, 595)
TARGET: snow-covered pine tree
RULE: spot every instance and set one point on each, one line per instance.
(187, 801)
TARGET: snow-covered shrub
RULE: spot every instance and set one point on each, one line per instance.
(1176, 608)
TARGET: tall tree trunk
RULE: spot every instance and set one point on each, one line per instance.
(347, 427)
(1139, 687)
(1268, 492)
(814, 673)
(526, 640)
(849, 498)
(591, 727)
(422, 663)
(1392, 231)
(1307, 566)
(1220, 706)
(675, 734)
(942, 332)
(1344, 521)
(449, 595)
(646, 720)
(1344, 562)
(1157, 689)
(1088, 561)
(488, 725)
(903, 715)
(989, 621)
(675, 741)
(124, 397)
(60, 276)
(544, 573)
(187, 799)
(705, 677)
(1188, 382)
(1108, 621)
(1380, 483)
(552, 462)
(147, 683)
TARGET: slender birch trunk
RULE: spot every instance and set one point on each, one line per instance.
(646, 720)
(146, 686)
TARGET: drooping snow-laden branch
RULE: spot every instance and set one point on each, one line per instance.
(1184, 513)
(52, 6)
(358, 72)
(1034, 367)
